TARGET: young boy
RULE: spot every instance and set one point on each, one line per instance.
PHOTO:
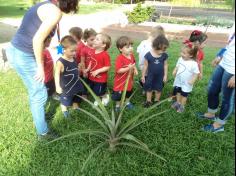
(99, 67)
(125, 67)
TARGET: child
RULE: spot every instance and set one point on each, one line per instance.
(146, 45)
(155, 69)
(67, 80)
(88, 51)
(77, 34)
(124, 67)
(99, 67)
(198, 38)
(185, 73)
(49, 66)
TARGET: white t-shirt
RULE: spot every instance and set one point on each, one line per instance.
(228, 61)
(186, 70)
(144, 47)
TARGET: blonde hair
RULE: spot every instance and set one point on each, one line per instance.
(156, 31)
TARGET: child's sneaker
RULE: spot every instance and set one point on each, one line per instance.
(180, 109)
(210, 128)
(129, 106)
(147, 104)
(175, 105)
(105, 100)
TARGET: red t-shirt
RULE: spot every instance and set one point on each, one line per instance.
(87, 53)
(120, 78)
(48, 66)
(79, 49)
(100, 60)
(200, 57)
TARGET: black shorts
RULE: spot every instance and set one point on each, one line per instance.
(116, 96)
(69, 100)
(99, 89)
(51, 88)
(179, 90)
(153, 83)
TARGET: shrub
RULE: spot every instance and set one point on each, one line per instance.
(140, 14)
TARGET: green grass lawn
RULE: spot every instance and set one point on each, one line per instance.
(176, 137)
(16, 9)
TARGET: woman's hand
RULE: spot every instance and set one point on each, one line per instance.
(231, 83)
(216, 61)
(40, 76)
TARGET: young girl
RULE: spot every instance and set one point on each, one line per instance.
(77, 34)
(125, 66)
(146, 45)
(198, 38)
(99, 67)
(67, 80)
(185, 73)
(156, 69)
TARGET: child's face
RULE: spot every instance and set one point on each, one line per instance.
(185, 53)
(98, 42)
(70, 51)
(127, 50)
(90, 41)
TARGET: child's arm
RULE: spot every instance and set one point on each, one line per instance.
(175, 71)
(135, 71)
(193, 80)
(165, 71)
(58, 70)
(201, 70)
(126, 69)
(144, 70)
(101, 70)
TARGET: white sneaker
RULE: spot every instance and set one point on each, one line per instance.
(105, 100)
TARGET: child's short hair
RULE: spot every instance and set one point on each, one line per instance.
(192, 48)
(77, 32)
(123, 41)
(88, 33)
(160, 42)
(106, 39)
(198, 36)
(156, 31)
(67, 41)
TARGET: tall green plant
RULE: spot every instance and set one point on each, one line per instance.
(112, 130)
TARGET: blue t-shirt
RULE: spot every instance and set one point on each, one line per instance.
(156, 64)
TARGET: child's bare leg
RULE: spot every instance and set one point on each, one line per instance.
(178, 98)
(183, 100)
(157, 96)
(149, 96)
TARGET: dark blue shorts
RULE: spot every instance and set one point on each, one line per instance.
(154, 83)
(179, 90)
(51, 88)
(69, 100)
(116, 96)
(99, 89)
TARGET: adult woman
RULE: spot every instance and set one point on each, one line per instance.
(25, 53)
(222, 81)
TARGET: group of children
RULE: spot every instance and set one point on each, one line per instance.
(85, 57)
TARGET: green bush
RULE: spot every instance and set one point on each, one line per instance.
(140, 14)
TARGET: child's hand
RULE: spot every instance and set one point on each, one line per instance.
(131, 66)
(95, 73)
(191, 82)
(216, 61)
(165, 79)
(200, 76)
(143, 79)
(85, 73)
(174, 73)
(59, 90)
(231, 83)
(135, 72)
